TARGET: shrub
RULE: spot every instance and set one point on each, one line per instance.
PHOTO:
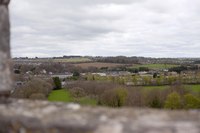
(57, 83)
(121, 95)
(191, 102)
(173, 101)
(154, 98)
(76, 74)
(155, 102)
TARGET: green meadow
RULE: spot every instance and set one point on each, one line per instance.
(194, 88)
(64, 95)
(156, 66)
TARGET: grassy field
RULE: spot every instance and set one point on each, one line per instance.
(72, 60)
(156, 66)
(97, 64)
(64, 96)
(194, 88)
(60, 96)
(156, 87)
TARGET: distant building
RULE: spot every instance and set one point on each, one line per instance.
(62, 76)
(100, 74)
(143, 73)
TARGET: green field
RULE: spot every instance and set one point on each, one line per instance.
(194, 88)
(72, 60)
(156, 87)
(156, 66)
(60, 96)
(64, 96)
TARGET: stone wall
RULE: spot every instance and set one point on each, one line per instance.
(5, 79)
(44, 117)
(21, 116)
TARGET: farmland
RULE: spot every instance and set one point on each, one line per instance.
(97, 65)
(156, 66)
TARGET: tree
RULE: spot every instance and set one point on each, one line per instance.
(191, 102)
(155, 75)
(57, 83)
(155, 103)
(121, 95)
(173, 101)
(114, 97)
(34, 86)
(76, 74)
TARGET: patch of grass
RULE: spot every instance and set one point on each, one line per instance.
(156, 87)
(86, 101)
(194, 88)
(156, 66)
(60, 96)
(64, 96)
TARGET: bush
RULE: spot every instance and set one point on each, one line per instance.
(121, 95)
(143, 69)
(154, 99)
(191, 102)
(76, 74)
(155, 103)
(57, 83)
(173, 101)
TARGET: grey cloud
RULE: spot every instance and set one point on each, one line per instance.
(101, 27)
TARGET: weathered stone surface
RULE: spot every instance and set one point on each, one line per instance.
(44, 117)
(5, 79)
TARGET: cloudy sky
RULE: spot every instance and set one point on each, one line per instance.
(151, 28)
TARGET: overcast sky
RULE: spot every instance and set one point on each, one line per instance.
(153, 28)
